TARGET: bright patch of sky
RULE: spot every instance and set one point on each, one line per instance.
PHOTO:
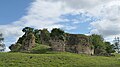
(80, 22)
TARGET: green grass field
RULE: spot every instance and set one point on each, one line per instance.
(57, 60)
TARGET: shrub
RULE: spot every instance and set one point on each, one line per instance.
(15, 47)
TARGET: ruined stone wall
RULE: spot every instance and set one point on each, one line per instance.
(75, 43)
(78, 43)
(25, 43)
(57, 45)
(84, 49)
(29, 42)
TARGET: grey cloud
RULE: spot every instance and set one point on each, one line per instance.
(82, 4)
(110, 24)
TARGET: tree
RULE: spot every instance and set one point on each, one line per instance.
(57, 33)
(37, 36)
(15, 47)
(98, 43)
(117, 44)
(2, 45)
(109, 47)
(28, 30)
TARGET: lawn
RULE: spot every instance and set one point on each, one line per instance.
(57, 60)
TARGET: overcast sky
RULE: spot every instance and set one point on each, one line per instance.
(74, 16)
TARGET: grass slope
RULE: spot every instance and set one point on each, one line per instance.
(57, 60)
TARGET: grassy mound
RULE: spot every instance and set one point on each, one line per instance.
(57, 60)
(40, 49)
